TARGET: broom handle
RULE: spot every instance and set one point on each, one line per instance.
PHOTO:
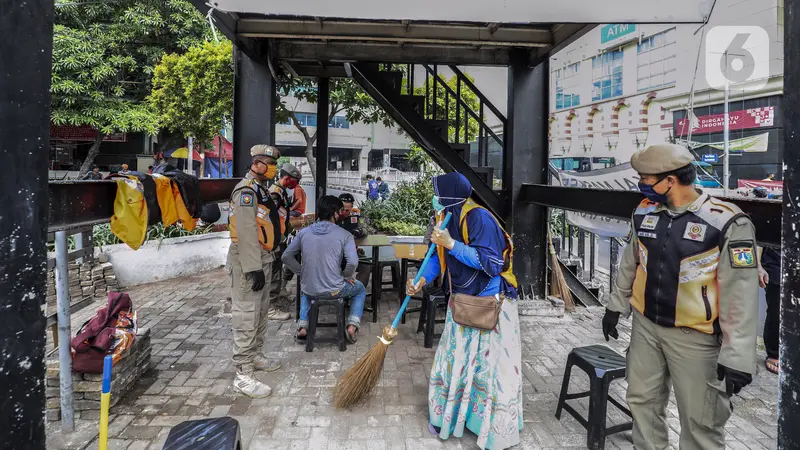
(419, 274)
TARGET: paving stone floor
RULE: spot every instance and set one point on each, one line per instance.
(192, 374)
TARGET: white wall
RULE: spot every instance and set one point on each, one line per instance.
(170, 258)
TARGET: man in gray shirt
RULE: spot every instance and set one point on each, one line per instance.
(324, 246)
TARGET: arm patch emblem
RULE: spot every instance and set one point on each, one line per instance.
(742, 255)
(246, 199)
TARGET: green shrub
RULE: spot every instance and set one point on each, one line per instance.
(406, 212)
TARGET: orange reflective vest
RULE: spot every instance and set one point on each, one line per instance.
(508, 252)
(270, 225)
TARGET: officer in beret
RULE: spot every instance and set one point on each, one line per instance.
(689, 278)
(254, 235)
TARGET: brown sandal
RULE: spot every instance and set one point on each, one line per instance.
(772, 365)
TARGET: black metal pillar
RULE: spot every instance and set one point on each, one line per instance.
(789, 389)
(526, 155)
(323, 97)
(25, 63)
(254, 101)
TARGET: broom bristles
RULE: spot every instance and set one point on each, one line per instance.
(559, 282)
(357, 382)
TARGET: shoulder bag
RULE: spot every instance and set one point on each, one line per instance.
(473, 311)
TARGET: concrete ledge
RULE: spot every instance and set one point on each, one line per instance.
(169, 258)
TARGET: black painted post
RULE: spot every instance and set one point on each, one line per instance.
(323, 97)
(789, 389)
(25, 63)
(526, 162)
(254, 101)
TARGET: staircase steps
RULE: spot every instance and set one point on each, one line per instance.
(439, 126)
(463, 151)
(417, 102)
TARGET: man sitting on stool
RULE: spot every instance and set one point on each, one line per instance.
(324, 245)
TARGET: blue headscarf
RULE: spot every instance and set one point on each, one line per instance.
(486, 237)
(453, 189)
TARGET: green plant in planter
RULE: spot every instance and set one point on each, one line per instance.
(406, 212)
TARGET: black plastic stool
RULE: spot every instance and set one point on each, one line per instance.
(405, 264)
(313, 317)
(395, 283)
(603, 365)
(433, 298)
(221, 433)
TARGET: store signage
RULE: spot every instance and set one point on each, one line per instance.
(82, 133)
(614, 31)
(737, 120)
(710, 158)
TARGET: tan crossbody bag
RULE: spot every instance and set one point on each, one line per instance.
(475, 312)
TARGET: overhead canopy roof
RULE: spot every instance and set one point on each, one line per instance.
(312, 36)
(506, 11)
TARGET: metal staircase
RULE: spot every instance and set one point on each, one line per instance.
(438, 117)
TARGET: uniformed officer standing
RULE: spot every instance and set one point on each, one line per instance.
(255, 233)
(289, 178)
(690, 273)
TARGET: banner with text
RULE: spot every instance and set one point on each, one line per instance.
(737, 120)
(776, 187)
(621, 177)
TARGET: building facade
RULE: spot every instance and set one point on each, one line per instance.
(351, 146)
(623, 87)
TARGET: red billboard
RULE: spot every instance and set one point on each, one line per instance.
(737, 120)
(82, 133)
(770, 185)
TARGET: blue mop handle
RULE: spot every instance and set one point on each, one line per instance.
(419, 274)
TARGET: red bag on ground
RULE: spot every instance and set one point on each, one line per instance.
(98, 336)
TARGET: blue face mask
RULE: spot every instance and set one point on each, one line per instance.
(437, 205)
(648, 191)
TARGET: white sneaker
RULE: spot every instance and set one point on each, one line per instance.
(275, 314)
(248, 385)
(261, 362)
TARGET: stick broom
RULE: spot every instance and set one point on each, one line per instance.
(357, 382)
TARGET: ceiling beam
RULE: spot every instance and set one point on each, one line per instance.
(299, 69)
(397, 32)
(389, 53)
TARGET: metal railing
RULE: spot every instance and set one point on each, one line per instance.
(466, 111)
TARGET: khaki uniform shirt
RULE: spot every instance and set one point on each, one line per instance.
(738, 296)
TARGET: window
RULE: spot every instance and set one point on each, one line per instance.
(339, 122)
(607, 75)
(656, 61)
(310, 120)
(567, 87)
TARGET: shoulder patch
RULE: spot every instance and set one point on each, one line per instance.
(742, 254)
(246, 199)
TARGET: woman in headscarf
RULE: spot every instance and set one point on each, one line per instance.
(476, 379)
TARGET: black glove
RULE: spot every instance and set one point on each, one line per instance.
(259, 280)
(734, 380)
(610, 324)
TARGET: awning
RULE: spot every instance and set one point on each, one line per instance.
(507, 11)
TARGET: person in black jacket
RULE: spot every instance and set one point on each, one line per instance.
(771, 262)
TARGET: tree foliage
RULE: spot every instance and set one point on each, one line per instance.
(104, 54)
(345, 96)
(193, 92)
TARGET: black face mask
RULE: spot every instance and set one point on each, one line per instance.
(648, 190)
